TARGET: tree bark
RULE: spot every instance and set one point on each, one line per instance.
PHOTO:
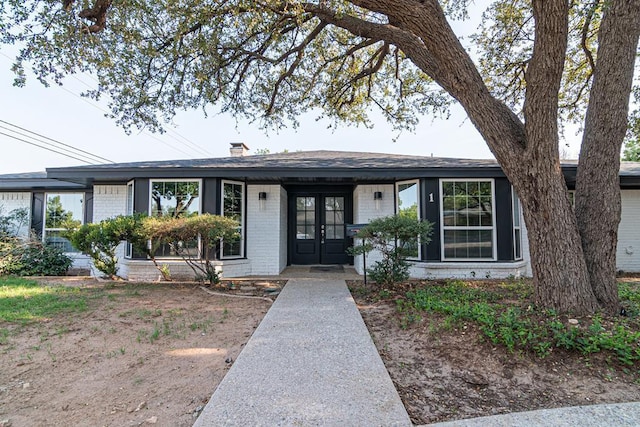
(598, 205)
(527, 152)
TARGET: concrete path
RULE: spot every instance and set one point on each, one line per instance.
(612, 415)
(310, 362)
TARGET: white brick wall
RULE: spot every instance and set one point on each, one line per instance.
(109, 201)
(628, 251)
(468, 270)
(365, 209)
(12, 201)
(284, 242)
(264, 229)
(145, 271)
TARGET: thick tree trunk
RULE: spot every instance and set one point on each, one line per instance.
(560, 272)
(528, 153)
(598, 204)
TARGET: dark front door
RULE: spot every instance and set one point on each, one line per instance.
(318, 223)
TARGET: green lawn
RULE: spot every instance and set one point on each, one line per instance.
(24, 301)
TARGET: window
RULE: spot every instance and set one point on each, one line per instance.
(233, 207)
(62, 210)
(175, 198)
(407, 195)
(128, 249)
(334, 217)
(305, 218)
(468, 222)
(517, 228)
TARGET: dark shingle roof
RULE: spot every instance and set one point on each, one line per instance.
(33, 180)
(303, 164)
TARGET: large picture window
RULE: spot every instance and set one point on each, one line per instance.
(175, 198)
(233, 207)
(407, 195)
(468, 220)
(62, 211)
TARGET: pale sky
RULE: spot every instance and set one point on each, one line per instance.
(60, 114)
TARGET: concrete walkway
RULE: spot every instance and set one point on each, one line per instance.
(310, 362)
(612, 415)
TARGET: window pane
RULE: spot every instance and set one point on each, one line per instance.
(62, 210)
(175, 198)
(233, 207)
(516, 211)
(407, 196)
(467, 219)
(329, 232)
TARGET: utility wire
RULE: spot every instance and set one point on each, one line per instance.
(185, 141)
(100, 158)
(44, 148)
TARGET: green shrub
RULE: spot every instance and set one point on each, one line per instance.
(209, 229)
(396, 238)
(100, 240)
(27, 256)
(33, 258)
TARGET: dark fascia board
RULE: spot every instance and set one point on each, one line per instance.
(122, 174)
(38, 184)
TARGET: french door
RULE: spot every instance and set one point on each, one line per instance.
(317, 228)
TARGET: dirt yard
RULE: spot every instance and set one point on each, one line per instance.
(449, 374)
(153, 354)
(140, 355)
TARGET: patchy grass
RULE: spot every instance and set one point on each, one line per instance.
(24, 301)
(505, 315)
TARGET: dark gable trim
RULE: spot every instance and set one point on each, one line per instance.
(430, 211)
(88, 207)
(141, 196)
(504, 220)
(210, 196)
(37, 213)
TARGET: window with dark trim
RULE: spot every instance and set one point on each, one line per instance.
(407, 195)
(62, 210)
(233, 207)
(468, 220)
(517, 228)
(175, 198)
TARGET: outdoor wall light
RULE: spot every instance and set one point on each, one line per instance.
(262, 200)
(377, 196)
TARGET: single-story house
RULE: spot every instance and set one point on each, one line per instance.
(294, 208)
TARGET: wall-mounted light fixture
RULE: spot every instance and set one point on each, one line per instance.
(377, 196)
(262, 200)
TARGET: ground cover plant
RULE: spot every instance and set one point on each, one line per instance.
(458, 349)
(518, 325)
(74, 351)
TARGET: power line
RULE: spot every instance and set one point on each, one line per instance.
(185, 141)
(44, 148)
(100, 158)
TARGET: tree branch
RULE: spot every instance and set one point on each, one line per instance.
(97, 14)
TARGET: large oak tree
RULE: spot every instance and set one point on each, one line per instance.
(541, 61)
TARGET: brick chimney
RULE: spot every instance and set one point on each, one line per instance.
(238, 149)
